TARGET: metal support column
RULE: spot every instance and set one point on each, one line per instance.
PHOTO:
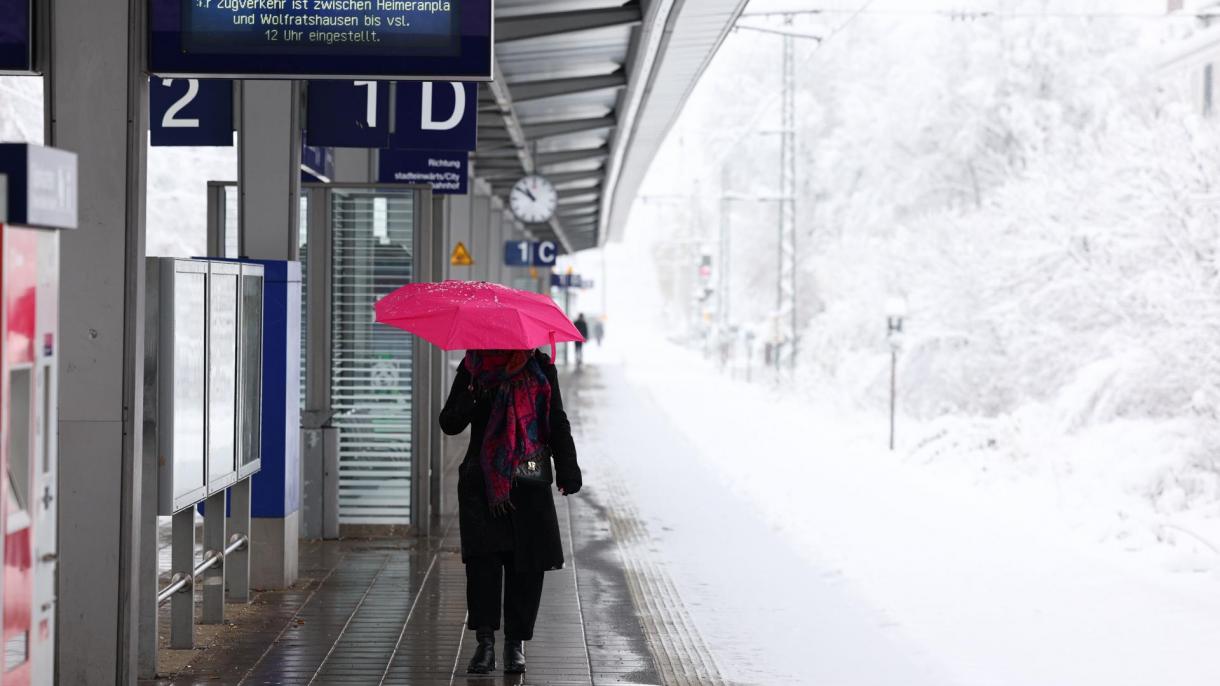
(182, 561)
(786, 309)
(723, 281)
(422, 410)
(269, 202)
(97, 106)
(437, 373)
(213, 580)
(237, 563)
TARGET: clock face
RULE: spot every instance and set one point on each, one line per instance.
(534, 200)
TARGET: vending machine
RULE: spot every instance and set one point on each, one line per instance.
(37, 200)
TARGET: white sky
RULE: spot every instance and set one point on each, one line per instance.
(1149, 6)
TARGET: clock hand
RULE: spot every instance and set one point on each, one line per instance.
(531, 195)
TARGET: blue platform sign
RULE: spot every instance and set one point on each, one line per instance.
(317, 164)
(530, 253)
(440, 115)
(16, 31)
(321, 39)
(40, 186)
(445, 171)
(190, 112)
(349, 114)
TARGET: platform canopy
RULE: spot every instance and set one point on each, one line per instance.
(585, 92)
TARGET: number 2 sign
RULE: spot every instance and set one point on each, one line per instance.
(190, 112)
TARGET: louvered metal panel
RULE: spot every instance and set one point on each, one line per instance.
(372, 369)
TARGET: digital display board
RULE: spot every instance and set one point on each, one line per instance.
(16, 29)
(399, 39)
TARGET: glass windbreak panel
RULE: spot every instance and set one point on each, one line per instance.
(190, 380)
(372, 233)
(19, 442)
(222, 377)
(251, 367)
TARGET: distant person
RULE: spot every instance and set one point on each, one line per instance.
(510, 532)
(599, 331)
(583, 327)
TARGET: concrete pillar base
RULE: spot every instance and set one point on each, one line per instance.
(274, 551)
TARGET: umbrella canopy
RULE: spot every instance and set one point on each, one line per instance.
(477, 315)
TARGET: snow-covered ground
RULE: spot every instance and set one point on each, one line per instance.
(814, 555)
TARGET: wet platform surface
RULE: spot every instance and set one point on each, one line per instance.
(393, 612)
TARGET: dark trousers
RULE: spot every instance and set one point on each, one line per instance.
(485, 576)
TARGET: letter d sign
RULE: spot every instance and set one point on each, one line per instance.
(439, 115)
(428, 109)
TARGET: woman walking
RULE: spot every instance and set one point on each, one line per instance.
(510, 532)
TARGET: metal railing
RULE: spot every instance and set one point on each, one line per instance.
(181, 582)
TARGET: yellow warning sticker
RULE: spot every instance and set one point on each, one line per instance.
(461, 256)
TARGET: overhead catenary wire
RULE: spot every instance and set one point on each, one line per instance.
(768, 104)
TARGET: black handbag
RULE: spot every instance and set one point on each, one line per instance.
(536, 471)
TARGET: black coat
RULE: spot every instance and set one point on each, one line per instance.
(531, 531)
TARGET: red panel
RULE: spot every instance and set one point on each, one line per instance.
(20, 293)
(19, 316)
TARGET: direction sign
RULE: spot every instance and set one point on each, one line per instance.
(349, 114)
(445, 171)
(441, 115)
(570, 281)
(16, 29)
(187, 112)
(340, 39)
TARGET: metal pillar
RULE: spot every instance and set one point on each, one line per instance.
(723, 281)
(182, 561)
(320, 455)
(786, 309)
(438, 377)
(96, 106)
(237, 563)
(213, 580)
(268, 173)
(423, 412)
(269, 202)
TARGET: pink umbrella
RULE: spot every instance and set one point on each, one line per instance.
(477, 315)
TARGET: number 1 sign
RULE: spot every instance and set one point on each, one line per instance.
(348, 114)
(191, 112)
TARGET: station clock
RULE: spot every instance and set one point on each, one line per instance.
(534, 199)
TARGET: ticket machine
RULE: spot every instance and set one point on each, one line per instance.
(37, 200)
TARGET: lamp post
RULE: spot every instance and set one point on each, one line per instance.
(895, 313)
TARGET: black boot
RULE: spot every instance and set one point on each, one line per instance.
(514, 656)
(484, 660)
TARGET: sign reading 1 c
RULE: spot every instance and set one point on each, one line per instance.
(530, 253)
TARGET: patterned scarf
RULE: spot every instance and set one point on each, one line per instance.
(519, 426)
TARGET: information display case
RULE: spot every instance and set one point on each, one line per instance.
(175, 378)
(223, 315)
(203, 376)
(250, 370)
